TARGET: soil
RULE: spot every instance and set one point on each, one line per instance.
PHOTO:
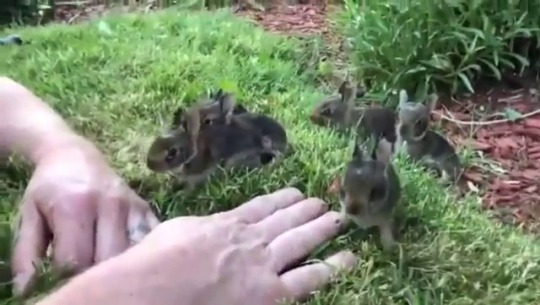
(508, 178)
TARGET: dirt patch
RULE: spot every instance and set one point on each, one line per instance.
(505, 126)
(290, 20)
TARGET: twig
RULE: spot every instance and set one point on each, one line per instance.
(76, 3)
(485, 123)
(74, 17)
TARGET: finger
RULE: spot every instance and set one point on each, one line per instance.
(291, 217)
(111, 230)
(263, 206)
(72, 224)
(152, 219)
(137, 225)
(302, 281)
(299, 242)
(30, 244)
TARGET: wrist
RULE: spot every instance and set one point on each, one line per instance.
(28, 126)
(56, 142)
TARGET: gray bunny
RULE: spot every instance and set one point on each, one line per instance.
(340, 111)
(370, 191)
(415, 138)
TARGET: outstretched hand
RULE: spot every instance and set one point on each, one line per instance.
(237, 257)
(75, 201)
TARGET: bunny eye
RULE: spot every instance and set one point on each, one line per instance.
(326, 111)
(208, 121)
(420, 126)
(171, 153)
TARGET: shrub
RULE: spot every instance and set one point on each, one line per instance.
(449, 45)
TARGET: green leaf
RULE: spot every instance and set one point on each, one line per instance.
(523, 61)
(512, 114)
(465, 80)
(104, 28)
(492, 67)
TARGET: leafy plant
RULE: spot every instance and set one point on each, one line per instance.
(448, 45)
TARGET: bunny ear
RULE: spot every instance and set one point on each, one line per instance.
(348, 92)
(226, 103)
(218, 94)
(432, 102)
(358, 152)
(403, 97)
(375, 144)
(341, 90)
(383, 151)
(178, 118)
(334, 186)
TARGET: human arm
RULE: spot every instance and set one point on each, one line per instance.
(73, 197)
(28, 126)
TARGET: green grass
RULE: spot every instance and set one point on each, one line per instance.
(119, 89)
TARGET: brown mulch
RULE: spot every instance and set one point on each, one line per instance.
(290, 20)
(511, 191)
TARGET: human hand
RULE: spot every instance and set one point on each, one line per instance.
(230, 258)
(76, 202)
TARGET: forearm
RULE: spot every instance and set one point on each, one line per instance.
(118, 281)
(28, 126)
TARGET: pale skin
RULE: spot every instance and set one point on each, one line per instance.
(234, 257)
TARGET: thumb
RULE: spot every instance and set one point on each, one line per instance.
(30, 245)
(141, 220)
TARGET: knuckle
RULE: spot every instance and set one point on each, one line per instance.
(295, 192)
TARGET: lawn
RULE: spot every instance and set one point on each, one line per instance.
(118, 80)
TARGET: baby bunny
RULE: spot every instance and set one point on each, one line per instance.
(226, 146)
(370, 191)
(340, 112)
(237, 144)
(423, 144)
(172, 151)
(206, 112)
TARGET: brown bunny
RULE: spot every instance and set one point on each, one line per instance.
(340, 112)
(212, 110)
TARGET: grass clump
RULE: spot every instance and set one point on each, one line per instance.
(423, 45)
(117, 80)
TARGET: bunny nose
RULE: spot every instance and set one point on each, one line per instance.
(353, 209)
(315, 119)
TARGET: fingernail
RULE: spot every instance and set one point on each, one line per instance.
(345, 260)
(292, 192)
